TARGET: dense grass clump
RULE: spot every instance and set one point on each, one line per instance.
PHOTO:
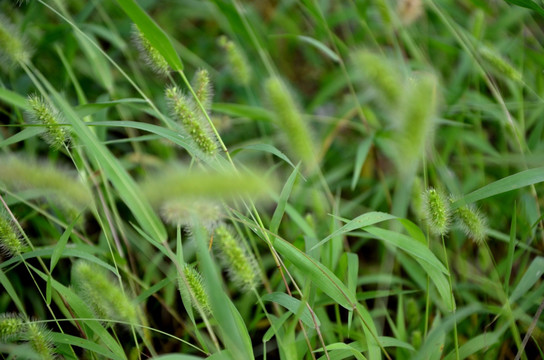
(232, 179)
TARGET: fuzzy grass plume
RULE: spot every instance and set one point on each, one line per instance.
(472, 222)
(10, 239)
(150, 56)
(297, 132)
(195, 290)
(380, 75)
(236, 60)
(414, 131)
(437, 211)
(18, 173)
(13, 48)
(192, 120)
(182, 212)
(102, 293)
(499, 64)
(40, 339)
(202, 85)
(176, 182)
(43, 113)
(240, 263)
(12, 326)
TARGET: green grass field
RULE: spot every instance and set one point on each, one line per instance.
(232, 179)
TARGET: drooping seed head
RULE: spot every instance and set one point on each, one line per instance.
(104, 294)
(195, 290)
(298, 133)
(13, 49)
(236, 60)
(195, 125)
(12, 327)
(500, 64)
(472, 222)
(380, 75)
(149, 54)
(10, 240)
(437, 211)
(240, 263)
(61, 187)
(43, 113)
(414, 130)
(40, 340)
(203, 88)
(183, 212)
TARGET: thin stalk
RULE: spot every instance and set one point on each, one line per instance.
(455, 336)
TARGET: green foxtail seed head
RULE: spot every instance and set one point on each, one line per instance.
(66, 191)
(437, 211)
(380, 75)
(149, 54)
(472, 222)
(43, 113)
(237, 61)
(182, 212)
(12, 327)
(192, 120)
(203, 88)
(177, 182)
(13, 48)
(499, 63)
(409, 10)
(414, 131)
(40, 340)
(10, 240)
(195, 290)
(103, 293)
(296, 130)
(240, 263)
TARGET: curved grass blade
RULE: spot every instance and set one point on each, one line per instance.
(509, 183)
(293, 305)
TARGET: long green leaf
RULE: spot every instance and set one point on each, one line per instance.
(284, 196)
(531, 276)
(509, 183)
(293, 305)
(367, 219)
(59, 338)
(322, 277)
(424, 257)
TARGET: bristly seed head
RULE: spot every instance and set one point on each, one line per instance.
(12, 327)
(472, 222)
(104, 294)
(203, 88)
(149, 54)
(236, 60)
(437, 211)
(40, 339)
(10, 240)
(43, 113)
(195, 290)
(241, 264)
(184, 109)
(13, 49)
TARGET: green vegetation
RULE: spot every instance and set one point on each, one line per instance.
(271, 179)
